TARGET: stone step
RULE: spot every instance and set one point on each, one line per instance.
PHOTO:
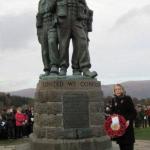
(139, 145)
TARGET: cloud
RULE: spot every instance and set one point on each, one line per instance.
(12, 85)
(132, 15)
(130, 31)
(17, 6)
(19, 70)
(119, 45)
(17, 31)
(122, 51)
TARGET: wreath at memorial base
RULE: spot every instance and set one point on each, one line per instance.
(116, 130)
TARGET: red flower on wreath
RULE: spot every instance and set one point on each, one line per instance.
(119, 130)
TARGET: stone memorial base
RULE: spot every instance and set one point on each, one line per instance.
(100, 143)
(69, 115)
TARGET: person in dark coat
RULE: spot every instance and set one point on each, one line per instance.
(123, 105)
(10, 117)
(3, 128)
(31, 119)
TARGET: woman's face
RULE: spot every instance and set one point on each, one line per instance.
(118, 91)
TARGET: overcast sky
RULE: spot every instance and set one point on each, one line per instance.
(119, 43)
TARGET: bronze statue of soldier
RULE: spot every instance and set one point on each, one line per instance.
(87, 24)
(47, 36)
(59, 21)
(71, 14)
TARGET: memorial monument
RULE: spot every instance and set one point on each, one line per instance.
(68, 109)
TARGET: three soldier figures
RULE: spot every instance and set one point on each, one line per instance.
(59, 21)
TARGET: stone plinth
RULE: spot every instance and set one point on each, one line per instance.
(69, 116)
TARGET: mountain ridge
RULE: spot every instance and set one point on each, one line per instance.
(138, 89)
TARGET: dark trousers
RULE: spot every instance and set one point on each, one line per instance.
(19, 131)
(144, 123)
(149, 121)
(126, 146)
(11, 132)
(71, 28)
(49, 44)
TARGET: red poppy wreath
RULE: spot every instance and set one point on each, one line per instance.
(115, 125)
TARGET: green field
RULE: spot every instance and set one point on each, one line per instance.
(142, 133)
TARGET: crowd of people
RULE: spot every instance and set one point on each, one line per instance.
(16, 123)
(143, 115)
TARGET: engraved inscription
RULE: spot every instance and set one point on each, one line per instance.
(75, 111)
(70, 84)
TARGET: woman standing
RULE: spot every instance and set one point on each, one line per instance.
(123, 105)
(19, 116)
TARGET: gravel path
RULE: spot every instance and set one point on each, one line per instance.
(139, 145)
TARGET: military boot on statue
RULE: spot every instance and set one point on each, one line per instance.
(88, 73)
(45, 74)
(54, 71)
(77, 72)
(63, 71)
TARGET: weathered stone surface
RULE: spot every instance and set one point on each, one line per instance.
(90, 132)
(48, 108)
(98, 131)
(49, 95)
(45, 120)
(70, 134)
(101, 143)
(68, 116)
(96, 107)
(48, 132)
(84, 133)
(54, 108)
(96, 119)
(40, 132)
(54, 133)
(95, 95)
(36, 117)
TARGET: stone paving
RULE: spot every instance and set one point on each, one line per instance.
(16, 147)
(139, 145)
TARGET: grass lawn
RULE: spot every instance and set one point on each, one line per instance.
(142, 133)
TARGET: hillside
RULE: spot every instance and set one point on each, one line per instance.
(24, 93)
(139, 89)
